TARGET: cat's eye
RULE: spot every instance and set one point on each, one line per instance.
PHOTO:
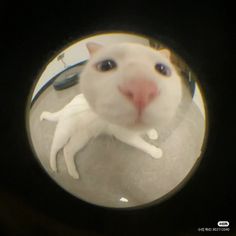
(163, 69)
(106, 65)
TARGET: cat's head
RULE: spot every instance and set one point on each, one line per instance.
(131, 85)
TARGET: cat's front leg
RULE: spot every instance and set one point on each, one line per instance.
(138, 142)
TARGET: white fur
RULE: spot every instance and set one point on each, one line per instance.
(102, 109)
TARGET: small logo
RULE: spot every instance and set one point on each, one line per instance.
(222, 227)
(223, 223)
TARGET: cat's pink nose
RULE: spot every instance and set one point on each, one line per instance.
(140, 92)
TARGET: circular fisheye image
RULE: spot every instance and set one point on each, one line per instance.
(117, 120)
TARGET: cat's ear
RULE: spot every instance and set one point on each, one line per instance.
(93, 47)
(165, 52)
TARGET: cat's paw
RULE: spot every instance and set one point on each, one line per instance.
(74, 174)
(152, 134)
(156, 152)
(53, 165)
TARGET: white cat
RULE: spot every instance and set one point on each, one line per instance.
(127, 89)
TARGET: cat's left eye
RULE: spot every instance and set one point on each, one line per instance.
(106, 65)
(163, 69)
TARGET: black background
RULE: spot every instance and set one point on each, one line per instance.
(31, 203)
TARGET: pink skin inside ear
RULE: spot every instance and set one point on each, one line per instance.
(140, 92)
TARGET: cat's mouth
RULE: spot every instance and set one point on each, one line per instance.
(139, 122)
(138, 119)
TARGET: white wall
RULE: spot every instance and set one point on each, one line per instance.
(199, 100)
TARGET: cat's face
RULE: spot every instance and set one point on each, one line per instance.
(131, 85)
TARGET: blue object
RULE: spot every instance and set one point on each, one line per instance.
(67, 82)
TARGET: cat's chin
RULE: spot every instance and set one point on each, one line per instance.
(136, 126)
(132, 121)
(139, 127)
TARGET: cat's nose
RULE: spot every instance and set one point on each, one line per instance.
(139, 92)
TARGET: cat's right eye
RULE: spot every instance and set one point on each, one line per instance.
(106, 65)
